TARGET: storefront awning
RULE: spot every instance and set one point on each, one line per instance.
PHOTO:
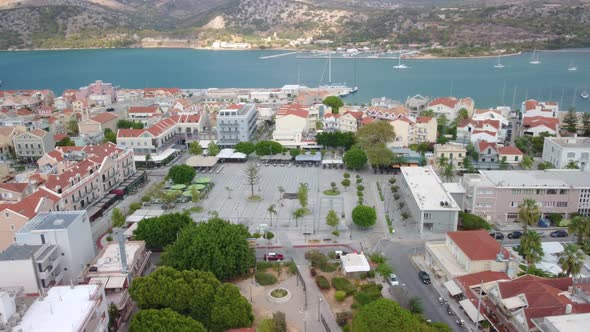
(471, 310)
(453, 288)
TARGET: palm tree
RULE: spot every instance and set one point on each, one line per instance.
(528, 213)
(271, 211)
(448, 172)
(581, 227)
(148, 157)
(526, 162)
(300, 212)
(571, 259)
(281, 192)
(531, 249)
(442, 162)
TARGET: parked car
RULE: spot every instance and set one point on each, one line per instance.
(559, 233)
(271, 256)
(340, 253)
(497, 235)
(393, 280)
(515, 235)
(424, 277)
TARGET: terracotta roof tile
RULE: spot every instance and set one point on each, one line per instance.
(104, 117)
(510, 150)
(14, 187)
(143, 109)
(477, 245)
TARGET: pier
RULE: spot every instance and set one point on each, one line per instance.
(277, 55)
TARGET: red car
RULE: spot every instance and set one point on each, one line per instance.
(271, 256)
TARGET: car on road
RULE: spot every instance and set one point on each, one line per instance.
(559, 233)
(515, 235)
(424, 277)
(392, 280)
(340, 253)
(497, 235)
(271, 256)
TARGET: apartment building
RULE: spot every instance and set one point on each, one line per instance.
(32, 145)
(412, 131)
(236, 123)
(453, 153)
(560, 151)
(470, 130)
(143, 113)
(426, 129)
(6, 138)
(429, 204)
(98, 123)
(98, 93)
(544, 109)
(496, 195)
(450, 106)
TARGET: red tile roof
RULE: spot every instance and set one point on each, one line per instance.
(23, 112)
(475, 279)
(483, 146)
(14, 187)
(104, 117)
(450, 102)
(330, 115)
(356, 115)
(477, 245)
(423, 119)
(477, 131)
(404, 119)
(29, 205)
(511, 150)
(38, 132)
(367, 120)
(537, 121)
(294, 109)
(59, 137)
(233, 107)
(143, 109)
(530, 104)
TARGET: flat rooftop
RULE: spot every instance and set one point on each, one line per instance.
(537, 178)
(52, 220)
(108, 260)
(563, 323)
(18, 252)
(65, 308)
(427, 189)
(571, 142)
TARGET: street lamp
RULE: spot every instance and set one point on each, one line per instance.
(319, 301)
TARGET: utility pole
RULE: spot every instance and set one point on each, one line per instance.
(478, 305)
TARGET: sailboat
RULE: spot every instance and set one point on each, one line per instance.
(499, 64)
(345, 90)
(535, 58)
(400, 65)
(572, 67)
(584, 94)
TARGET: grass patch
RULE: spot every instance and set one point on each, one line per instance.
(331, 192)
(279, 292)
(388, 220)
(343, 284)
(255, 198)
(197, 209)
(265, 279)
(380, 192)
(322, 282)
(368, 293)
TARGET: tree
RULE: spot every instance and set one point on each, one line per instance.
(118, 218)
(271, 212)
(379, 155)
(281, 192)
(531, 248)
(581, 227)
(364, 216)
(148, 158)
(503, 163)
(355, 158)
(442, 162)
(127, 124)
(195, 195)
(334, 102)
(345, 183)
(213, 149)
(428, 113)
(163, 320)
(472, 152)
(472, 221)
(245, 147)
(416, 306)
(113, 316)
(158, 232)
(265, 148)
(462, 114)
(230, 309)
(449, 172)
(72, 127)
(294, 152)
(571, 260)
(332, 219)
(386, 315)
(545, 165)
(181, 174)
(195, 148)
(528, 213)
(572, 164)
(109, 136)
(302, 195)
(571, 120)
(586, 123)
(217, 246)
(300, 212)
(468, 165)
(66, 141)
(252, 175)
(526, 162)
(335, 139)
(375, 132)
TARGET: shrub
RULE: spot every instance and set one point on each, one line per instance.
(359, 180)
(134, 206)
(405, 215)
(360, 187)
(280, 321)
(320, 261)
(261, 266)
(292, 267)
(360, 193)
(392, 180)
(401, 205)
(394, 189)
(354, 306)
(265, 279)
(343, 317)
(340, 296)
(377, 258)
(371, 274)
(322, 282)
(368, 293)
(360, 201)
(343, 284)
(256, 235)
(109, 238)
(472, 221)
(313, 272)
(346, 175)
(146, 199)
(336, 233)
(396, 196)
(364, 216)
(332, 255)
(357, 176)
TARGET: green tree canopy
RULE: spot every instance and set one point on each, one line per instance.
(217, 246)
(245, 147)
(526, 162)
(528, 213)
(571, 120)
(181, 174)
(374, 133)
(462, 114)
(545, 165)
(117, 217)
(355, 158)
(379, 155)
(332, 219)
(158, 232)
(572, 164)
(230, 309)
(195, 148)
(580, 226)
(66, 141)
(571, 260)
(265, 148)
(109, 136)
(586, 123)
(364, 216)
(213, 149)
(127, 124)
(294, 152)
(334, 102)
(530, 247)
(164, 320)
(335, 139)
(428, 113)
(302, 195)
(386, 315)
(504, 163)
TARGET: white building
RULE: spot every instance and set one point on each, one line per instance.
(236, 123)
(546, 109)
(429, 204)
(79, 308)
(450, 106)
(69, 231)
(292, 124)
(561, 150)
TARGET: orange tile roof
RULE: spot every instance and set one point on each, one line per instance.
(536, 121)
(477, 245)
(104, 117)
(450, 102)
(38, 132)
(143, 109)
(14, 187)
(356, 115)
(423, 119)
(484, 145)
(475, 279)
(511, 150)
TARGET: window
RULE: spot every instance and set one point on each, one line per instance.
(427, 216)
(571, 155)
(551, 191)
(512, 215)
(12, 228)
(561, 204)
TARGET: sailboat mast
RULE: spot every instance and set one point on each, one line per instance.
(330, 67)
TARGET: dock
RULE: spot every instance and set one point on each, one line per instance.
(277, 55)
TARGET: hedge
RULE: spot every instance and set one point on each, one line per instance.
(343, 284)
(340, 296)
(473, 222)
(322, 282)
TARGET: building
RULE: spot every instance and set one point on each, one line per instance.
(488, 152)
(426, 129)
(115, 272)
(496, 195)
(292, 124)
(546, 109)
(416, 104)
(470, 130)
(32, 145)
(70, 232)
(6, 138)
(512, 154)
(563, 323)
(80, 308)
(498, 114)
(404, 129)
(534, 126)
(388, 114)
(236, 123)
(143, 113)
(385, 102)
(560, 151)
(14, 192)
(98, 123)
(429, 204)
(450, 106)
(453, 153)
(353, 264)
(467, 252)
(98, 93)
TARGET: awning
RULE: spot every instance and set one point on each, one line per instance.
(471, 310)
(115, 282)
(98, 280)
(453, 288)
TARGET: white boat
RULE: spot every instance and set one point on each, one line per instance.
(400, 65)
(535, 58)
(344, 90)
(572, 67)
(584, 95)
(499, 64)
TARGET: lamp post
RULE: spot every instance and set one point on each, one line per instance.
(319, 301)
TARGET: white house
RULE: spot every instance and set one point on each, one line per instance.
(545, 109)
(291, 123)
(513, 154)
(534, 126)
(561, 150)
(450, 106)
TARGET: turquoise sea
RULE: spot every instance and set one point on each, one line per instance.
(188, 68)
